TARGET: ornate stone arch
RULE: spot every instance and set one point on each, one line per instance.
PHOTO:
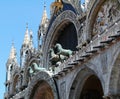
(25, 72)
(64, 18)
(101, 14)
(79, 81)
(45, 79)
(30, 61)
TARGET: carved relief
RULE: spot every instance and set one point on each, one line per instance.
(58, 54)
(107, 14)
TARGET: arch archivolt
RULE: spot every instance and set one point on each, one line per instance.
(101, 16)
(25, 73)
(42, 76)
(32, 60)
(79, 79)
(64, 18)
(108, 72)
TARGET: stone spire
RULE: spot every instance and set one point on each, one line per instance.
(44, 16)
(31, 38)
(42, 27)
(12, 61)
(27, 37)
(27, 46)
(11, 66)
(12, 52)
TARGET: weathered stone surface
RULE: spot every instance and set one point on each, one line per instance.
(92, 62)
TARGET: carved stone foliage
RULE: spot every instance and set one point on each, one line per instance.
(108, 14)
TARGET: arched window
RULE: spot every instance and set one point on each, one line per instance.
(16, 84)
(68, 37)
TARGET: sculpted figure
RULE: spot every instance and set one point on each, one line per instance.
(61, 51)
(58, 5)
(34, 68)
(113, 12)
(30, 71)
(54, 58)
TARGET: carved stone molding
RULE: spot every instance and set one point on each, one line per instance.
(42, 76)
(63, 18)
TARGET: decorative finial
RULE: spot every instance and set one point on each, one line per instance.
(13, 51)
(13, 42)
(31, 33)
(44, 16)
(44, 4)
(26, 38)
(26, 25)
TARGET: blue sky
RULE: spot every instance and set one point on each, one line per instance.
(14, 14)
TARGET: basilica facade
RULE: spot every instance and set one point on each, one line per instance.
(77, 55)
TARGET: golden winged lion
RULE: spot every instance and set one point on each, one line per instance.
(57, 5)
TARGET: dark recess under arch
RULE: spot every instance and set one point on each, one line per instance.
(68, 37)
